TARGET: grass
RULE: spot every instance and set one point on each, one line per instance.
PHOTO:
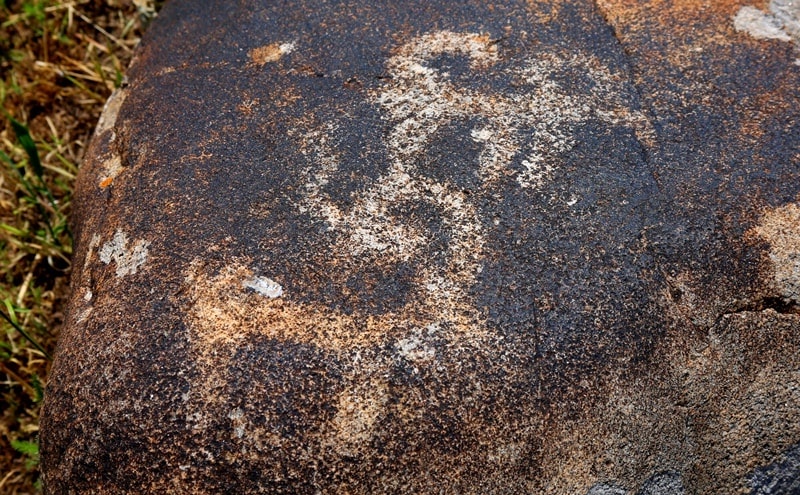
(59, 61)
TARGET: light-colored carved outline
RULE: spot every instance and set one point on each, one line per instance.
(417, 102)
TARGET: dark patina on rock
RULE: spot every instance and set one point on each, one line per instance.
(508, 247)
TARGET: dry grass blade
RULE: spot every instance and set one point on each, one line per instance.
(59, 61)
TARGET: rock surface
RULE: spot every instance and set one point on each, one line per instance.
(458, 247)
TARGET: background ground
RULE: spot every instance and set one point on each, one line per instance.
(59, 61)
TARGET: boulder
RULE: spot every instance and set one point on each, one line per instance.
(546, 247)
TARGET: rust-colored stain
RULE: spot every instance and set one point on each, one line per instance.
(368, 247)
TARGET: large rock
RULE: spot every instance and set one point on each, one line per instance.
(372, 247)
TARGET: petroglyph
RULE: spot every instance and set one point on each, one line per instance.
(224, 309)
(418, 102)
(128, 261)
(520, 135)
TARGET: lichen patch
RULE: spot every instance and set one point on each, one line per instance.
(781, 22)
(111, 111)
(111, 169)
(759, 24)
(270, 53)
(264, 286)
(128, 260)
(416, 348)
(111, 163)
(239, 423)
(780, 227)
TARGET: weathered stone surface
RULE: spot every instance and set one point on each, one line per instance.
(508, 247)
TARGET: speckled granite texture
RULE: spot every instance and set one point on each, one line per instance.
(454, 247)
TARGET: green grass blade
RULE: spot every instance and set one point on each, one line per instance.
(7, 158)
(38, 387)
(25, 139)
(13, 230)
(22, 332)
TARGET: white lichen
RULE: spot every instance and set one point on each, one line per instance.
(128, 261)
(759, 24)
(237, 418)
(286, 48)
(782, 22)
(264, 286)
(416, 347)
(108, 118)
